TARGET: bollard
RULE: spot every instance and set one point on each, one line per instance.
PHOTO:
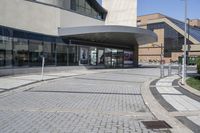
(170, 70)
(42, 74)
(179, 69)
(162, 71)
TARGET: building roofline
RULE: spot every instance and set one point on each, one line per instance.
(152, 14)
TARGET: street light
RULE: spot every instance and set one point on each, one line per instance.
(185, 41)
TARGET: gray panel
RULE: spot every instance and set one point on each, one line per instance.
(110, 34)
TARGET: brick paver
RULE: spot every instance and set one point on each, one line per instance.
(94, 103)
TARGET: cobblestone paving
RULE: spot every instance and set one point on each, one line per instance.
(93, 103)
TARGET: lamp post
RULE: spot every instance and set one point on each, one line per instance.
(185, 41)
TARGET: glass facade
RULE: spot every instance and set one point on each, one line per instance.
(5, 51)
(80, 6)
(83, 7)
(173, 40)
(20, 52)
(24, 49)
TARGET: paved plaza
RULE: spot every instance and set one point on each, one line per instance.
(95, 101)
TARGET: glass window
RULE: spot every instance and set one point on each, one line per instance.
(5, 51)
(84, 55)
(83, 7)
(120, 58)
(108, 57)
(35, 53)
(100, 57)
(73, 55)
(93, 56)
(128, 58)
(61, 54)
(20, 52)
(49, 53)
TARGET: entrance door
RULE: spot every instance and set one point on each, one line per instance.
(100, 57)
(108, 57)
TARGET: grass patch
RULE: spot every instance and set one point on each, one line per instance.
(194, 82)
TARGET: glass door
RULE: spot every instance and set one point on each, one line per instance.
(108, 57)
(100, 57)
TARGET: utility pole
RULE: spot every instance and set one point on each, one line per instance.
(185, 41)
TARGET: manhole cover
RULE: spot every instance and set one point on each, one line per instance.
(156, 124)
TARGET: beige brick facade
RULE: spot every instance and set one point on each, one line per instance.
(152, 52)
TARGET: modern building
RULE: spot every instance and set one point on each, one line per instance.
(170, 34)
(70, 33)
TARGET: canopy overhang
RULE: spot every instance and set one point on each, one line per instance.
(106, 34)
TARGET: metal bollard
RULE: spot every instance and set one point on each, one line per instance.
(179, 69)
(170, 70)
(42, 74)
(162, 71)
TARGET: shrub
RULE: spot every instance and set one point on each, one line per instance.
(198, 65)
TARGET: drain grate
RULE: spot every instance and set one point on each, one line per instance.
(156, 124)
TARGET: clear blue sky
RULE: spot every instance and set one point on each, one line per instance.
(171, 8)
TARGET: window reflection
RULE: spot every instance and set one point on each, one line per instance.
(73, 55)
(61, 54)
(100, 57)
(83, 7)
(5, 51)
(20, 52)
(35, 52)
(49, 54)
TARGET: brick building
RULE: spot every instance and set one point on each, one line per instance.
(170, 34)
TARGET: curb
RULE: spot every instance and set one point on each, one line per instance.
(159, 112)
(188, 88)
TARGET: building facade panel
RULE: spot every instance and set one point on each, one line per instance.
(71, 19)
(34, 17)
(121, 12)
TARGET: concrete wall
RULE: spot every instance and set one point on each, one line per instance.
(121, 12)
(40, 18)
(29, 16)
(70, 19)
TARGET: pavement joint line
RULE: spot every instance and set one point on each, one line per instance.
(85, 92)
(135, 74)
(172, 94)
(127, 114)
(109, 80)
(161, 86)
(184, 113)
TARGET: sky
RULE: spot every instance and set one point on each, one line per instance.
(171, 8)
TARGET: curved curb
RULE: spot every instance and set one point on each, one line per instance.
(188, 88)
(159, 112)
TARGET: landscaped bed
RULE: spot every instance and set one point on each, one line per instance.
(194, 82)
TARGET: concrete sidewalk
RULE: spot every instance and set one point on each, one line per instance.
(179, 102)
(8, 83)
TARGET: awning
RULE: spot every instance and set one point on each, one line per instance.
(117, 35)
